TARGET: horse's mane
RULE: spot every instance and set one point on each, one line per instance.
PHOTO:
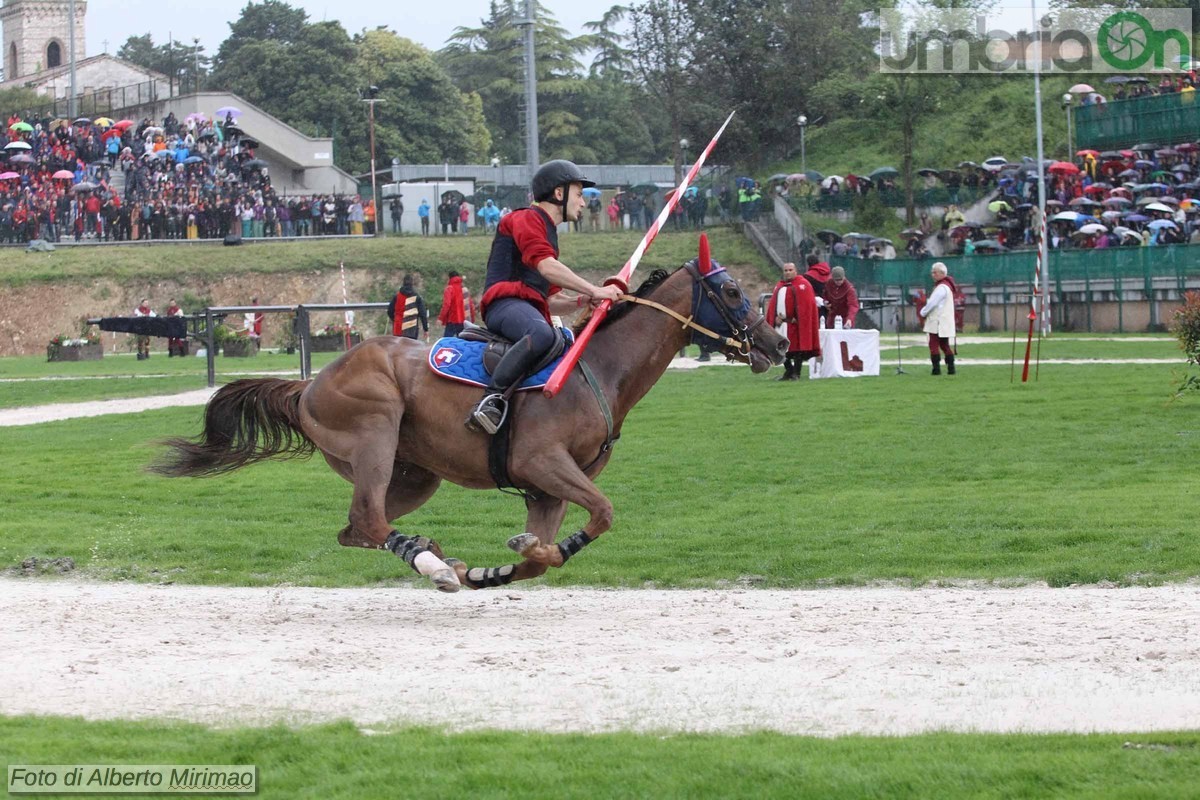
(648, 286)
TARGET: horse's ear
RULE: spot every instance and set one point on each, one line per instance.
(705, 257)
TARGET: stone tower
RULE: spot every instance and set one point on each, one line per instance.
(37, 35)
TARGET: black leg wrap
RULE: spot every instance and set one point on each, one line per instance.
(486, 577)
(573, 544)
(407, 547)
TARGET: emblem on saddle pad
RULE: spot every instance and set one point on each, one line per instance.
(445, 356)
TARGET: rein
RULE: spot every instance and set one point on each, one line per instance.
(743, 337)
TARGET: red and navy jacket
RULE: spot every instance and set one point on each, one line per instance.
(524, 239)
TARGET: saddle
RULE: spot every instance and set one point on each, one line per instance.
(471, 356)
(495, 346)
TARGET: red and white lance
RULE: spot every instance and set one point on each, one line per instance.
(1036, 299)
(559, 377)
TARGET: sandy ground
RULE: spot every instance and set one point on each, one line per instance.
(822, 662)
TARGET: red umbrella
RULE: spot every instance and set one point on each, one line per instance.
(64, 175)
(110, 133)
(123, 124)
(1114, 166)
(1093, 153)
(1064, 168)
(1093, 189)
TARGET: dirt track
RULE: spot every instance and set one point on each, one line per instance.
(825, 662)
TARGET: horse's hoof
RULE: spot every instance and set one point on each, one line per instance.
(446, 581)
(522, 542)
(460, 571)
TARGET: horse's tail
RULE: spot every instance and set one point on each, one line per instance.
(245, 421)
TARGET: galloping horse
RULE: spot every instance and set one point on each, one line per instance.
(387, 424)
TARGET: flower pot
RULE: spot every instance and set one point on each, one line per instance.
(75, 352)
(334, 343)
(239, 348)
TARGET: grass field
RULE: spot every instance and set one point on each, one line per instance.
(720, 476)
(602, 253)
(339, 761)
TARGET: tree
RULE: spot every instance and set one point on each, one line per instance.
(184, 65)
(661, 50)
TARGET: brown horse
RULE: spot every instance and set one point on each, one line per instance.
(386, 423)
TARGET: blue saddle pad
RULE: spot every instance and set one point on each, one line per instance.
(462, 361)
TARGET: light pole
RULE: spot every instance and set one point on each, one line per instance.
(1066, 104)
(196, 64)
(497, 174)
(802, 121)
(371, 100)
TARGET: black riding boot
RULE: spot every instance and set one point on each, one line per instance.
(490, 412)
(937, 364)
(789, 370)
(950, 365)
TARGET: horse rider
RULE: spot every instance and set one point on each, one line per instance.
(524, 277)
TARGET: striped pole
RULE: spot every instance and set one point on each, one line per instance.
(1035, 299)
(349, 315)
(563, 370)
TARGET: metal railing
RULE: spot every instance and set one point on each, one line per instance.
(892, 198)
(105, 102)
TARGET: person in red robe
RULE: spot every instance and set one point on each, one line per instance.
(840, 299)
(817, 276)
(792, 310)
(452, 315)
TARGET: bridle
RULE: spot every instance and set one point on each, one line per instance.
(739, 337)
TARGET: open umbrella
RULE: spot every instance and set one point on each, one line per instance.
(21, 126)
(18, 146)
(797, 177)
(1146, 147)
(929, 172)
(1110, 216)
(258, 163)
(829, 237)
(165, 154)
(193, 160)
(63, 175)
(1064, 168)
(153, 130)
(1053, 203)
(83, 186)
(1135, 217)
(778, 177)
(912, 233)
(995, 163)
(1085, 153)
(8, 176)
(1159, 207)
(82, 121)
(1083, 202)
(813, 175)
(990, 244)
(110, 133)
(1159, 224)
(1187, 147)
(881, 241)
(124, 123)
(20, 158)
(103, 122)
(590, 191)
(248, 142)
(1116, 202)
(1066, 216)
(1117, 79)
(967, 165)
(1081, 88)
(829, 180)
(883, 173)
(855, 235)
(225, 111)
(1093, 228)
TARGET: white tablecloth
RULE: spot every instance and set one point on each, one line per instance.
(846, 354)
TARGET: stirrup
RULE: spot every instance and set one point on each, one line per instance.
(482, 420)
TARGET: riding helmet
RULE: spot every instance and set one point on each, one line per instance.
(553, 174)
